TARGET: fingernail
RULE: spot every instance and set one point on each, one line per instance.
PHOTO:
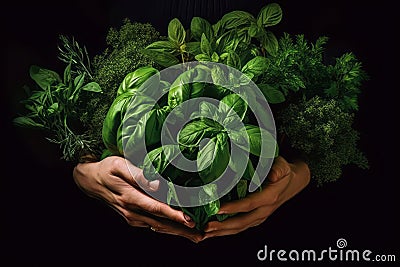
(221, 212)
(187, 218)
(154, 185)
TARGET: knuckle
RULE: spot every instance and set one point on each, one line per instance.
(116, 163)
(155, 208)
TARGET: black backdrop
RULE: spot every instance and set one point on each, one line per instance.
(46, 218)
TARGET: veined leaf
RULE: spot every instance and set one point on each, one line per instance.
(231, 106)
(256, 66)
(27, 122)
(164, 46)
(157, 160)
(270, 43)
(213, 158)
(200, 26)
(92, 87)
(43, 77)
(176, 31)
(163, 58)
(270, 15)
(273, 95)
(236, 19)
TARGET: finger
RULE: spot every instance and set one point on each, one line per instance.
(171, 228)
(134, 199)
(239, 222)
(279, 169)
(133, 175)
(236, 224)
(269, 195)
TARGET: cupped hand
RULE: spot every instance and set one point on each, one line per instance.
(118, 182)
(284, 181)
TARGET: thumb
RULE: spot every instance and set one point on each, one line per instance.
(134, 176)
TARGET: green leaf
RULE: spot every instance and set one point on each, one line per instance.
(206, 194)
(176, 31)
(270, 15)
(27, 122)
(154, 123)
(241, 188)
(273, 95)
(164, 46)
(163, 58)
(215, 57)
(67, 74)
(92, 87)
(203, 57)
(193, 48)
(234, 106)
(200, 26)
(157, 160)
(236, 19)
(213, 158)
(270, 43)
(233, 60)
(79, 80)
(228, 41)
(256, 66)
(43, 77)
(254, 30)
(113, 121)
(53, 108)
(259, 138)
(251, 175)
(180, 89)
(134, 80)
(195, 131)
(172, 196)
(205, 45)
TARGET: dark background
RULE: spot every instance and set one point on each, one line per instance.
(46, 218)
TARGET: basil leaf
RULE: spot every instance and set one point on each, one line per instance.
(270, 43)
(270, 15)
(234, 106)
(200, 26)
(44, 77)
(163, 58)
(241, 188)
(164, 46)
(273, 95)
(193, 48)
(259, 137)
(227, 42)
(256, 66)
(92, 87)
(251, 175)
(180, 89)
(193, 132)
(206, 194)
(131, 133)
(205, 45)
(236, 19)
(113, 121)
(176, 31)
(27, 122)
(157, 160)
(154, 123)
(213, 158)
(134, 80)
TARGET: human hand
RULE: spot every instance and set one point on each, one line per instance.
(116, 181)
(284, 181)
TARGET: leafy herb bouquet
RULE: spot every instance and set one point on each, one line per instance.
(107, 105)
